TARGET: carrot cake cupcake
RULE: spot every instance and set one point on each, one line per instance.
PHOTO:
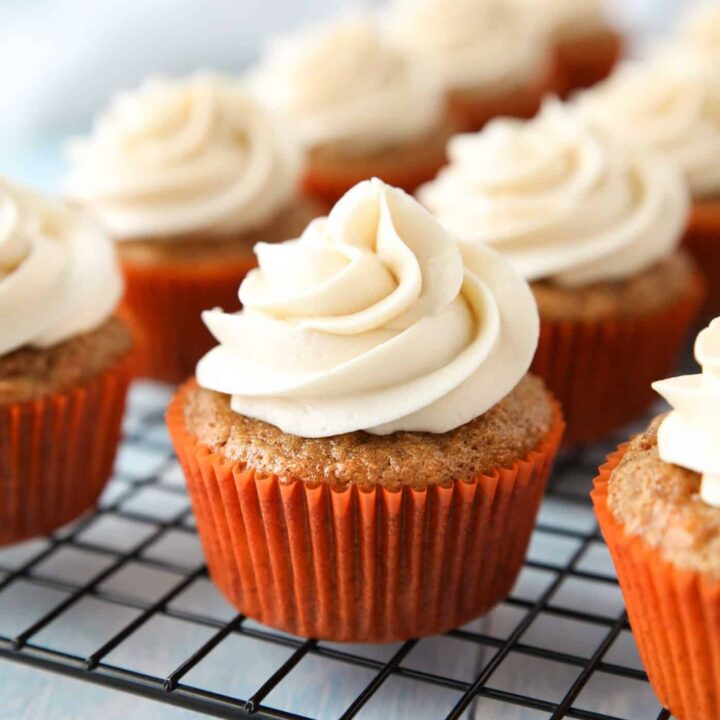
(64, 362)
(187, 175)
(658, 503)
(359, 106)
(594, 226)
(364, 448)
(584, 43)
(488, 54)
(671, 103)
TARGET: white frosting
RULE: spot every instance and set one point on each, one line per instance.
(58, 271)
(560, 199)
(568, 18)
(670, 104)
(469, 43)
(699, 32)
(179, 157)
(374, 319)
(340, 82)
(690, 435)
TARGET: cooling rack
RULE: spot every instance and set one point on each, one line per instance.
(122, 599)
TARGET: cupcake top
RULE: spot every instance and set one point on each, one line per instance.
(562, 200)
(670, 104)
(58, 271)
(375, 319)
(566, 19)
(181, 157)
(469, 43)
(690, 435)
(339, 82)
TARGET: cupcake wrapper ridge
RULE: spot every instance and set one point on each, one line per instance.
(674, 615)
(163, 304)
(57, 452)
(358, 564)
(601, 371)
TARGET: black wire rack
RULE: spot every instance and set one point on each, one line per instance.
(122, 599)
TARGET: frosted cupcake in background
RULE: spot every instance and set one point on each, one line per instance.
(671, 103)
(364, 448)
(594, 226)
(658, 505)
(489, 55)
(187, 175)
(64, 362)
(584, 43)
(360, 107)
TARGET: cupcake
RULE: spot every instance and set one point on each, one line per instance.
(671, 103)
(658, 504)
(364, 449)
(584, 44)
(489, 55)
(187, 175)
(64, 363)
(360, 108)
(594, 226)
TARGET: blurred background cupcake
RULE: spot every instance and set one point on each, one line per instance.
(360, 107)
(489, 55)
(364, 448)
(670, 102)
(658, 503)
(594, 225)
(584, 43)
(187, 175)
(64, 362)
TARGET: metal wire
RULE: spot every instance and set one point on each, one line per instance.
(145, 422)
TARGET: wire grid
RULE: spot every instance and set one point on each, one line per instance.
(115, 599)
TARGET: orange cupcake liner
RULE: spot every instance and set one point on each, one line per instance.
(163, 305)
(674, 615)
(361, 564)
(702, 241)
(586, 61)
(326, 182)
(601, 371)
(473, 113)
(57, 452)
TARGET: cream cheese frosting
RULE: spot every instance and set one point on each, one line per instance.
(560, 199)
(485, 44)
(339, 82)
(565, 19)
(58, 271)
(177, 157)
(375, 319)
(699, 32)
(690, 435)
(668, 103)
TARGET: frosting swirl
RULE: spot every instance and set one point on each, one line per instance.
(178, 157)
(670, 106)
(690, 435)
(467, 42)
(560, 199)
(699, 32)
(569, 18)
(340, 82)
(58, 272)
(374, 319)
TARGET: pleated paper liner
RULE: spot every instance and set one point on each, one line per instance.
(674, 615)
(163, 304)
(702, 240)
(57, 452)
(584, 61)
(364, 565)
(601, 371)
(471, 111)
(326, 180)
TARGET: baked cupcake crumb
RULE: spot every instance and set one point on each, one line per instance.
(505, 433)
(660, 502)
